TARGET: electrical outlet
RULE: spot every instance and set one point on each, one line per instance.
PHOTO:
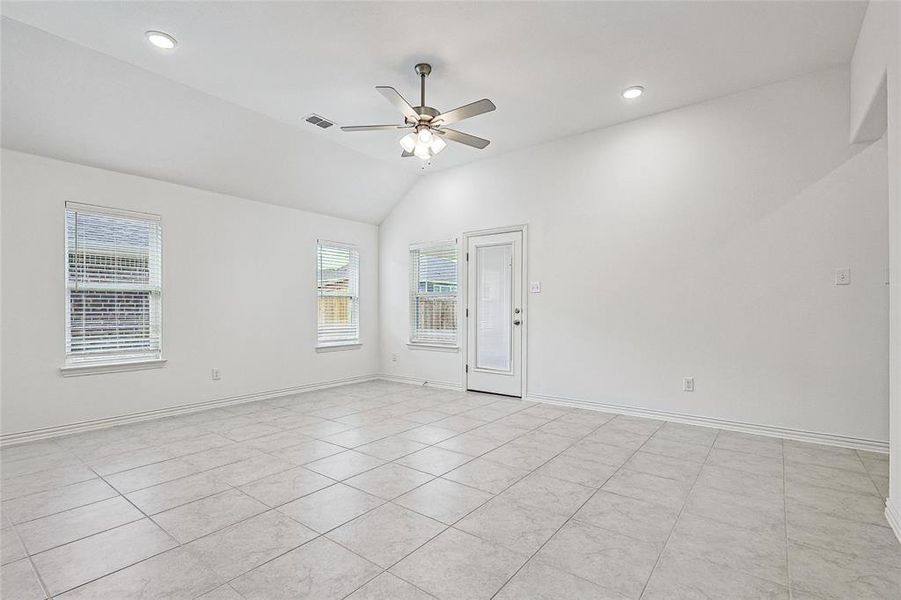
(215, 374)
(394, 357)
(688, 384)
(843, 276)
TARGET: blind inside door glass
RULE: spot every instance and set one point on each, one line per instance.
(433, 294)
(113, 285)
(338, 274)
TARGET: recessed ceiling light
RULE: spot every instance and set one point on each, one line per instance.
(161, 40)
(633, 92)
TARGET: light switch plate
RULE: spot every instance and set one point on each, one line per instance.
(535, 287)
(843, 276)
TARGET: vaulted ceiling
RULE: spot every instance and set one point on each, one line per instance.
(223, 111)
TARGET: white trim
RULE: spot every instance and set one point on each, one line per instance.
(433, 347)
(814, 437)
(893, 516)
(107, 210)
(338, 346)
(464, 294)
(427, 245)
(77, 370)
(20, 437)
(447, 385)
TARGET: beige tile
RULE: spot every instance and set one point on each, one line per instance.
(578, 469)
(248, 544)
(344, 465)
(537, 581)
(865, 540)
(283, 487)
(20, 582)
(436, 461)
(617, 562)
(11, 548)
(469, 444)
(742, 510)
(759, 464)
(548, 494)
(652, 488)
(74, 564)
(307, 452)
(834, 575)
(57, 500)
(388, 587)
(486, 475)
(749, 443)
(391, 448)
(330, 507)
(150, 475)
(443, 500)
(245, 471)
(456, 565)
(386, 534)
(516, 527)
(201, 517)
(42, 481)
(827, 477)
(389, 481)
(759, 553)
(173, 575)
(846, 505)
(320, 569)
(174, 493)
(636, 518)
(825, 456)
(688, 577)
(61, 528)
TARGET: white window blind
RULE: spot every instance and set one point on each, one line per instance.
(113, 285)
(433, 293)
(338, 276)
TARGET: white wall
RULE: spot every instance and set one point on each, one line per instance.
(239, 293)
(877, 63)
(702, 242)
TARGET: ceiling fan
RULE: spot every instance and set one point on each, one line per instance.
(429, 126)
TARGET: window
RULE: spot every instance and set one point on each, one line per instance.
(113, 285)
(338, 276)
(433, 294)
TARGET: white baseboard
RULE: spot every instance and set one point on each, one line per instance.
(59, 430)
(447, 385)
(829, 439)
(893, 516)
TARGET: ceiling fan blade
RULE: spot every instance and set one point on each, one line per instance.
(392, 96)
(464, 112)
(373, 127)
(406, 154)
(463, 138)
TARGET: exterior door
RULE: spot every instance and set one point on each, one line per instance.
(494, 313)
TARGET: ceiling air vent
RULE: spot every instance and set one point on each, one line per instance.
(318, 121)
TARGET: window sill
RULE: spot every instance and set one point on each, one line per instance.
(432, 347)
(76, 370)
(338, 347)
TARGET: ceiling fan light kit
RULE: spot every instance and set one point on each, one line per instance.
(429, 126)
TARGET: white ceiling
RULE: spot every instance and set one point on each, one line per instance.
(223, 110)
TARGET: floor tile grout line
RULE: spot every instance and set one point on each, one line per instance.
(592, 495)
(788, 571)
(676, 521)
(180, 544)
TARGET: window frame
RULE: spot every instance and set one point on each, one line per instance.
(87, 363)
(325, 345)
(452, 343)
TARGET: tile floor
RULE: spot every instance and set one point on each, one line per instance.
(388, 491)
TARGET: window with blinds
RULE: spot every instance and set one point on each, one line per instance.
(433, 293)
(113, 285)
(338, 277)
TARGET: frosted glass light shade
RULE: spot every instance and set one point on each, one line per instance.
(408, 142)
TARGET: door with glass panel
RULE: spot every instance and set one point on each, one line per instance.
(494, 313)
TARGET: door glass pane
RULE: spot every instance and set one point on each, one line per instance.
(494, 331)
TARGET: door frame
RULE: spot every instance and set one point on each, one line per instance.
(464, 294)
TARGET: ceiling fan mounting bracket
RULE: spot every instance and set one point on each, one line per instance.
(423, 69)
